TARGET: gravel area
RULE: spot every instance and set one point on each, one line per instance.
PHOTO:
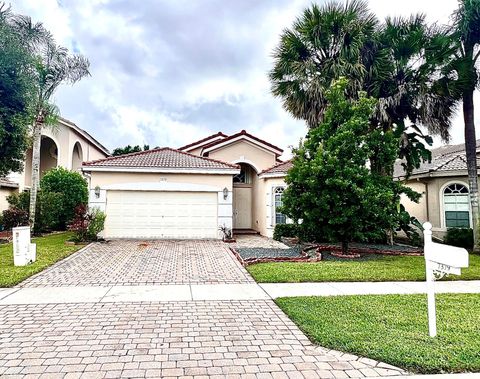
(260, 252)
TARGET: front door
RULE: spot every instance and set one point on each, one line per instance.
(242, 207)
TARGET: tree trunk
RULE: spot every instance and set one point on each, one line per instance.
(345, 247)
(35, 180)
(471, 152)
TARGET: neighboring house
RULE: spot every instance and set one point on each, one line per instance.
(236, 181)
(443, 184)
(64, 145)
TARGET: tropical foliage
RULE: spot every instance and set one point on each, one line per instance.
(330, 186)
(129, 149)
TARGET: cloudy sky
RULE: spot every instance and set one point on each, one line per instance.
(167, 72)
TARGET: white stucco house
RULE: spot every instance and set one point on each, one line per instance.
(65, 145)
(235, 180)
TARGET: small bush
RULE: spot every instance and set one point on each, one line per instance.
(86, 225)
(20, 200)
(13, 217)
(461, 237)
(73, 187)
(285, 230)
(49, 211)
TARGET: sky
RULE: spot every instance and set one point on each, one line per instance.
(166, 73)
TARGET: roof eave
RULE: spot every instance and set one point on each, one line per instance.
(214, 171)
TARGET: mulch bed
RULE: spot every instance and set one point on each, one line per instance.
(318, 252)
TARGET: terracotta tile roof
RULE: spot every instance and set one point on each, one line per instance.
(165, 157)
(4, 182)
(206, 139)
(280, 168)
(444, 159)
(242, 133)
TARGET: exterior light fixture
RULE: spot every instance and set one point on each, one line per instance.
(225, 193)
(97, 192)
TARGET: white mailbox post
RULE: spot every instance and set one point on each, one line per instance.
(24, 252)
(440, 260)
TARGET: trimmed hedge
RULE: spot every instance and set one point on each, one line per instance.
(285, 230)
(461, 237)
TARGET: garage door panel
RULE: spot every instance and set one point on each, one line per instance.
(136, 214)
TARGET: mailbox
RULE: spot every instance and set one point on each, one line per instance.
(24, 252)
(440, 260)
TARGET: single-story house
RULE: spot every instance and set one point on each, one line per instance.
(443, 184)
(65, 145)
(235, 180)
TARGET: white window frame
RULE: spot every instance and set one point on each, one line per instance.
(443, 222)
(274, 209)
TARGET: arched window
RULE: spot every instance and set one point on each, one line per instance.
(245, 176)
(456, 206)
(280, 218)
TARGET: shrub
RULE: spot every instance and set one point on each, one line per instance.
(461, 237)
(20, 200)
(49, 211)
(86, 225)
(13, 217)
(285, 230)
(73, 187)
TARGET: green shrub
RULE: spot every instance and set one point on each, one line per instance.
(461, 237)
(49, 211)
(87, 224)
(20, 200)
(97, 223)
(285, 230)
(13, 217)
(73, 187)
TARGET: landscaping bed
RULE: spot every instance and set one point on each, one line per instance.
(394, 328)
(248, 256)
(50, 249)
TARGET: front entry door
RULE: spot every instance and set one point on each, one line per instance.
(242, 207)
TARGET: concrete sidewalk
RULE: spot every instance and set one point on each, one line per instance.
(275, 290)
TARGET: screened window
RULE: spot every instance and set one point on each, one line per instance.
(245, 176)
(456, 206)
(280, 218)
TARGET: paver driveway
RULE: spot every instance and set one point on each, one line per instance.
(248, 338)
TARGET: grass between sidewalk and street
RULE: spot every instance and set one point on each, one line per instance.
(394, 329)
(373, 268)
(50, 249)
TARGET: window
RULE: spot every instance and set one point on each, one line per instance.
(456, 206)
(245, 176)
(280, 218)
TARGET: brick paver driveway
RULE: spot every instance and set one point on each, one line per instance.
(237, 339)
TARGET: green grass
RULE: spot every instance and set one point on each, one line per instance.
(394, 328)
(375, 269)
(50, 249)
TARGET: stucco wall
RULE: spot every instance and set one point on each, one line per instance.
(264, 208)
(4, 192)
(107, 178)
(430, 207)
(244, 151)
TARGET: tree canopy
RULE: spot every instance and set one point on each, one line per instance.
(332, 192)
(129, 149)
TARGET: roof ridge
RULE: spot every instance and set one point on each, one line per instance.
(156, 150)
(204, 158)
(219, 134)
(245, 133)
(275, 166)
(113, 157)
(454, 156)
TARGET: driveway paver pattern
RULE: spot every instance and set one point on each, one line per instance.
(160, 339)
(133, 262)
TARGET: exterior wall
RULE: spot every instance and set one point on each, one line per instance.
(4, 192)
(245, 152)
(196, 151)
(263, 218)
(183, 182)
(430, 207)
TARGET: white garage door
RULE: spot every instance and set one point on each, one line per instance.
(153, 214)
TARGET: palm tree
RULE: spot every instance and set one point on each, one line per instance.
(386, 60)
(324, 44)
(54, 66)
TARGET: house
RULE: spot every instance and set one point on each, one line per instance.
(64, 145)
(443, 184)
(235, 180)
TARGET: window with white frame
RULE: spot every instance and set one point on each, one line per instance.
(280, 218)
(456, 206)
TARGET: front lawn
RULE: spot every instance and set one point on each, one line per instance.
(50, 249)
(394, 328)
(374, 268)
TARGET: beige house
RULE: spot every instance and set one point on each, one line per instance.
(65, 145)
(443, 184)
(236, 181)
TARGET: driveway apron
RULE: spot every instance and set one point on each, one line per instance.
(128, 309)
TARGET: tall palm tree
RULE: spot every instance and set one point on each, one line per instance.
(53, 66)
